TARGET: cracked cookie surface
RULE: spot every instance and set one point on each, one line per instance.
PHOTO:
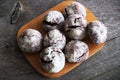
(97, 32)
(75, 26)
(76, 51)
(53, 20)
(54, 38)
(52, 59)
(30, 41)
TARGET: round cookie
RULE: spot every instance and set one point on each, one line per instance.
(52, 59)
(75, 8)
(30, 41)
(75, 26)
(76, 51)
(97, 32)
(53, 20)
(54, 38)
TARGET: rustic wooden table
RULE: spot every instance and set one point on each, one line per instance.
(105, 65)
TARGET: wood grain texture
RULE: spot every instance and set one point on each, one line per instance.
(36, 23)
(104, 65)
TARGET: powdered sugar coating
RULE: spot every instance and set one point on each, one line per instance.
(97, 32)
(54, 38)
(30, 41)
(53, 20)
(52, 59)
(75, 26)
(76, 51)
(75, 8)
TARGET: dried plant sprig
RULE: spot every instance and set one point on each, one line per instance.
(16, 12)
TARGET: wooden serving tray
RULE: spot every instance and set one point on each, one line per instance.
(36, 23)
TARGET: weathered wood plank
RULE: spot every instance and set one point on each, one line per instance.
(113, 74)
(13, 65)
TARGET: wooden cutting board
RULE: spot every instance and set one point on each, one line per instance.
(36, 23)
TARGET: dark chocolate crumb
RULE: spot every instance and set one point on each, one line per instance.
(42, 60)
(49, 23)
(76, 20)
(68, 30)
(73, 26)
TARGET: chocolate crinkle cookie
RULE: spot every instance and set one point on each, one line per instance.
(30, 41)
(76, 51)
(52, 59)
(53, 20)
(97, 32)
(75, 26)
(75, 8)
(54, 38)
